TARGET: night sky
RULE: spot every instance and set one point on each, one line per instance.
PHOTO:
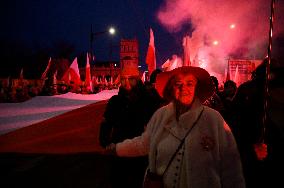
(41, 23)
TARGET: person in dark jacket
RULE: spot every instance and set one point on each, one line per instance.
(258, 142)
(246, 124)
(215, 101)
(126, 116)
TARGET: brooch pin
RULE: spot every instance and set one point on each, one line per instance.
(207, 143)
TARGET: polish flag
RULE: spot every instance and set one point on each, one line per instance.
(228, 77)
(21, 74)
(225, 75)
(237, 76)
(69, 77)
(55, 78)
(151, 57)
(143, 78)
(186, 54)
(43, 76)
(88, 81)
(72, 74)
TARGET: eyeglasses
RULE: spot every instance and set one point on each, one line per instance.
(179, 85)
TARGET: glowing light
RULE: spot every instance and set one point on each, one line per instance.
(111, 31)
(215, 42)
(139, 66)
(232, 26)
(115, 64)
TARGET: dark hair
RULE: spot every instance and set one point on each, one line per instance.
(230, 83)
(168, 92)
(260, 71)
(215, 81)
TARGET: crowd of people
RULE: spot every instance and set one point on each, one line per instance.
(199, 136)
(25, 91)
(191, 135)
(126, 116)
(182, 149)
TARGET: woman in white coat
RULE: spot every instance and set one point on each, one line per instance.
(188, 144)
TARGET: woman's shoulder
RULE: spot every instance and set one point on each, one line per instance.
(214, 117)
(165, 108)
(162, 113)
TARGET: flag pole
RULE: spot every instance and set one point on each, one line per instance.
(267, 72)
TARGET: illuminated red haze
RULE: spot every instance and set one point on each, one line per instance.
(222, 28)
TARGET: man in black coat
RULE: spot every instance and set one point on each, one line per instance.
(260, 145)
(126, 116)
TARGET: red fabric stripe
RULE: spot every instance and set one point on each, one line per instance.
(73, 132)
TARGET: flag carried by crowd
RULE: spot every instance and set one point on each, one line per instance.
(72, 74)
(44, 74)
(88, 81)
(186, 54)
(151, 56)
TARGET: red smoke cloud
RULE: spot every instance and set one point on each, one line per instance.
(214, 39)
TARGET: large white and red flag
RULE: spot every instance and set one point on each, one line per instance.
(21, 76)
(55, 78)
(228, 73)
(73, 74)
(151, 56)
(186, 51)
(237, 76)
(143, 78)
(88, 81)
(43, 76)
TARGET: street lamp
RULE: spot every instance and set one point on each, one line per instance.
(111, 31)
